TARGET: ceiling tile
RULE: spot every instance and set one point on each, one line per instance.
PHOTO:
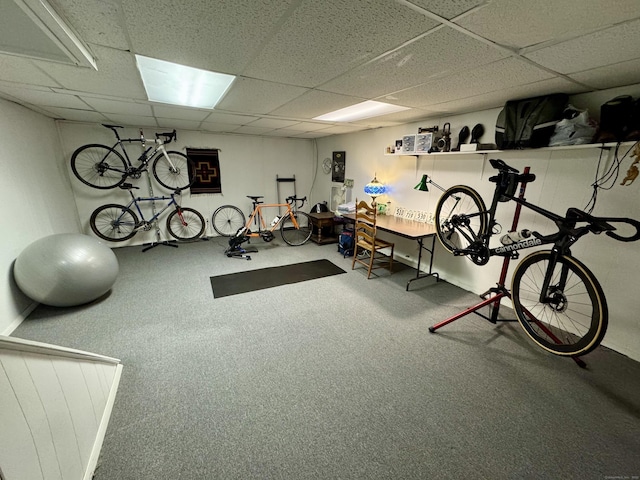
(272, 123)
(503, 21)
(307, 127)
(429, 57)
(170, 111)
(475, 81)
(606, 47)
(230, 118)
(96, 21)
(171, 123)
(116, 106)
(218, 36)
(218, 127)
(117, 75)
(44, 97)
(322, 39)
(131, 120)
(624, 73)
(448, 8)
(76, 115)
(315, 103)
(20, 70)
(257, 96)
(253, 130)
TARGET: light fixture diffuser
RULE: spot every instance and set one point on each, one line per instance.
(367, 109)
(167, 82)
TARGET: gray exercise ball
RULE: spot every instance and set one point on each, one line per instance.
(65, 269)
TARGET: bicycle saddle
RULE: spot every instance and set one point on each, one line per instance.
(127, 186)
(256, 199)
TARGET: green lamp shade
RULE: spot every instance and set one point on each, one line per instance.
(422, 186)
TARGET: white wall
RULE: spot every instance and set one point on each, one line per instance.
(248, 166)
(564, 180)
(36, 197)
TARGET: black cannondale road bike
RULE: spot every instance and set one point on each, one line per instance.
(103, 167)
(557, 300)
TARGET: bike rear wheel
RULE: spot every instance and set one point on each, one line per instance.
(460, 218)
(573, 318)
(227, 220)
(114, 223)
(177, 175)
(185, 224)
(99, 166)
(296, 236)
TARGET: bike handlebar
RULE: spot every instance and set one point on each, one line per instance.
(621, 238)
(168, 137)
(292, 199)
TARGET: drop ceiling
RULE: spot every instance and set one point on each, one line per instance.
(297, 59)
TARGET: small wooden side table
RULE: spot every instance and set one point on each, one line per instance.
(323, 221)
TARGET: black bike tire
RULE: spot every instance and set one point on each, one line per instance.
(88, 173)
(183, 182)
(478, 208)
(96, 223)
(195, 229)
(584, 293)
(296, 236)
(227, 220)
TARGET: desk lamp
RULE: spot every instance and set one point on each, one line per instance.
(422, 186)
(374, 189)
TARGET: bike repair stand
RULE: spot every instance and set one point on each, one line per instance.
(153, 210)
(493, 296)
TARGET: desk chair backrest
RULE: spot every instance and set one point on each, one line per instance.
(365, 236)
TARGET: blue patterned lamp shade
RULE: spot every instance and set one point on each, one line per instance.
(374, 188)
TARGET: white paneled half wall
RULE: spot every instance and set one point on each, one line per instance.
(56, 403)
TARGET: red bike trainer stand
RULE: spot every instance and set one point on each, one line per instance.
(493, 296)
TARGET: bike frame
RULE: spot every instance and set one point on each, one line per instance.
(145, 157)
(137, 200)
(257, 214)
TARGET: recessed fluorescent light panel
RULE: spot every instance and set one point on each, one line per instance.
(367, 109)
(167, 82)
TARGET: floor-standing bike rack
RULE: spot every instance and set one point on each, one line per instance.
(494, 295)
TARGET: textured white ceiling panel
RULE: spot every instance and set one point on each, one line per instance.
(498, 98)
(258, 96)
(117, 75)
(249, 130)
(606, 47)
(315, 103)
(217, 127)
(521, 23)
(272, 123)
(415, 64)
(170, 111)
(323, 39)
(221, 36)
(493, 77)
(137, 121)
(76, 115)
(96, 21)
(46, 98)
(23, 71)
(624, 73)
(448, 8)
(171, 123)
(229, 118)
(115, 106)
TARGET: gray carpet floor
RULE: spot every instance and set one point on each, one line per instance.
(336, 378)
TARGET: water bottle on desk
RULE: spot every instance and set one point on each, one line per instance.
(515, 237)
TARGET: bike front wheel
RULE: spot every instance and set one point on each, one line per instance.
(185, 224)
(227, 220)
(570, 318)
(293, 234)
(460, 218)
(114, 223)
(179, 174)
(99, 166)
